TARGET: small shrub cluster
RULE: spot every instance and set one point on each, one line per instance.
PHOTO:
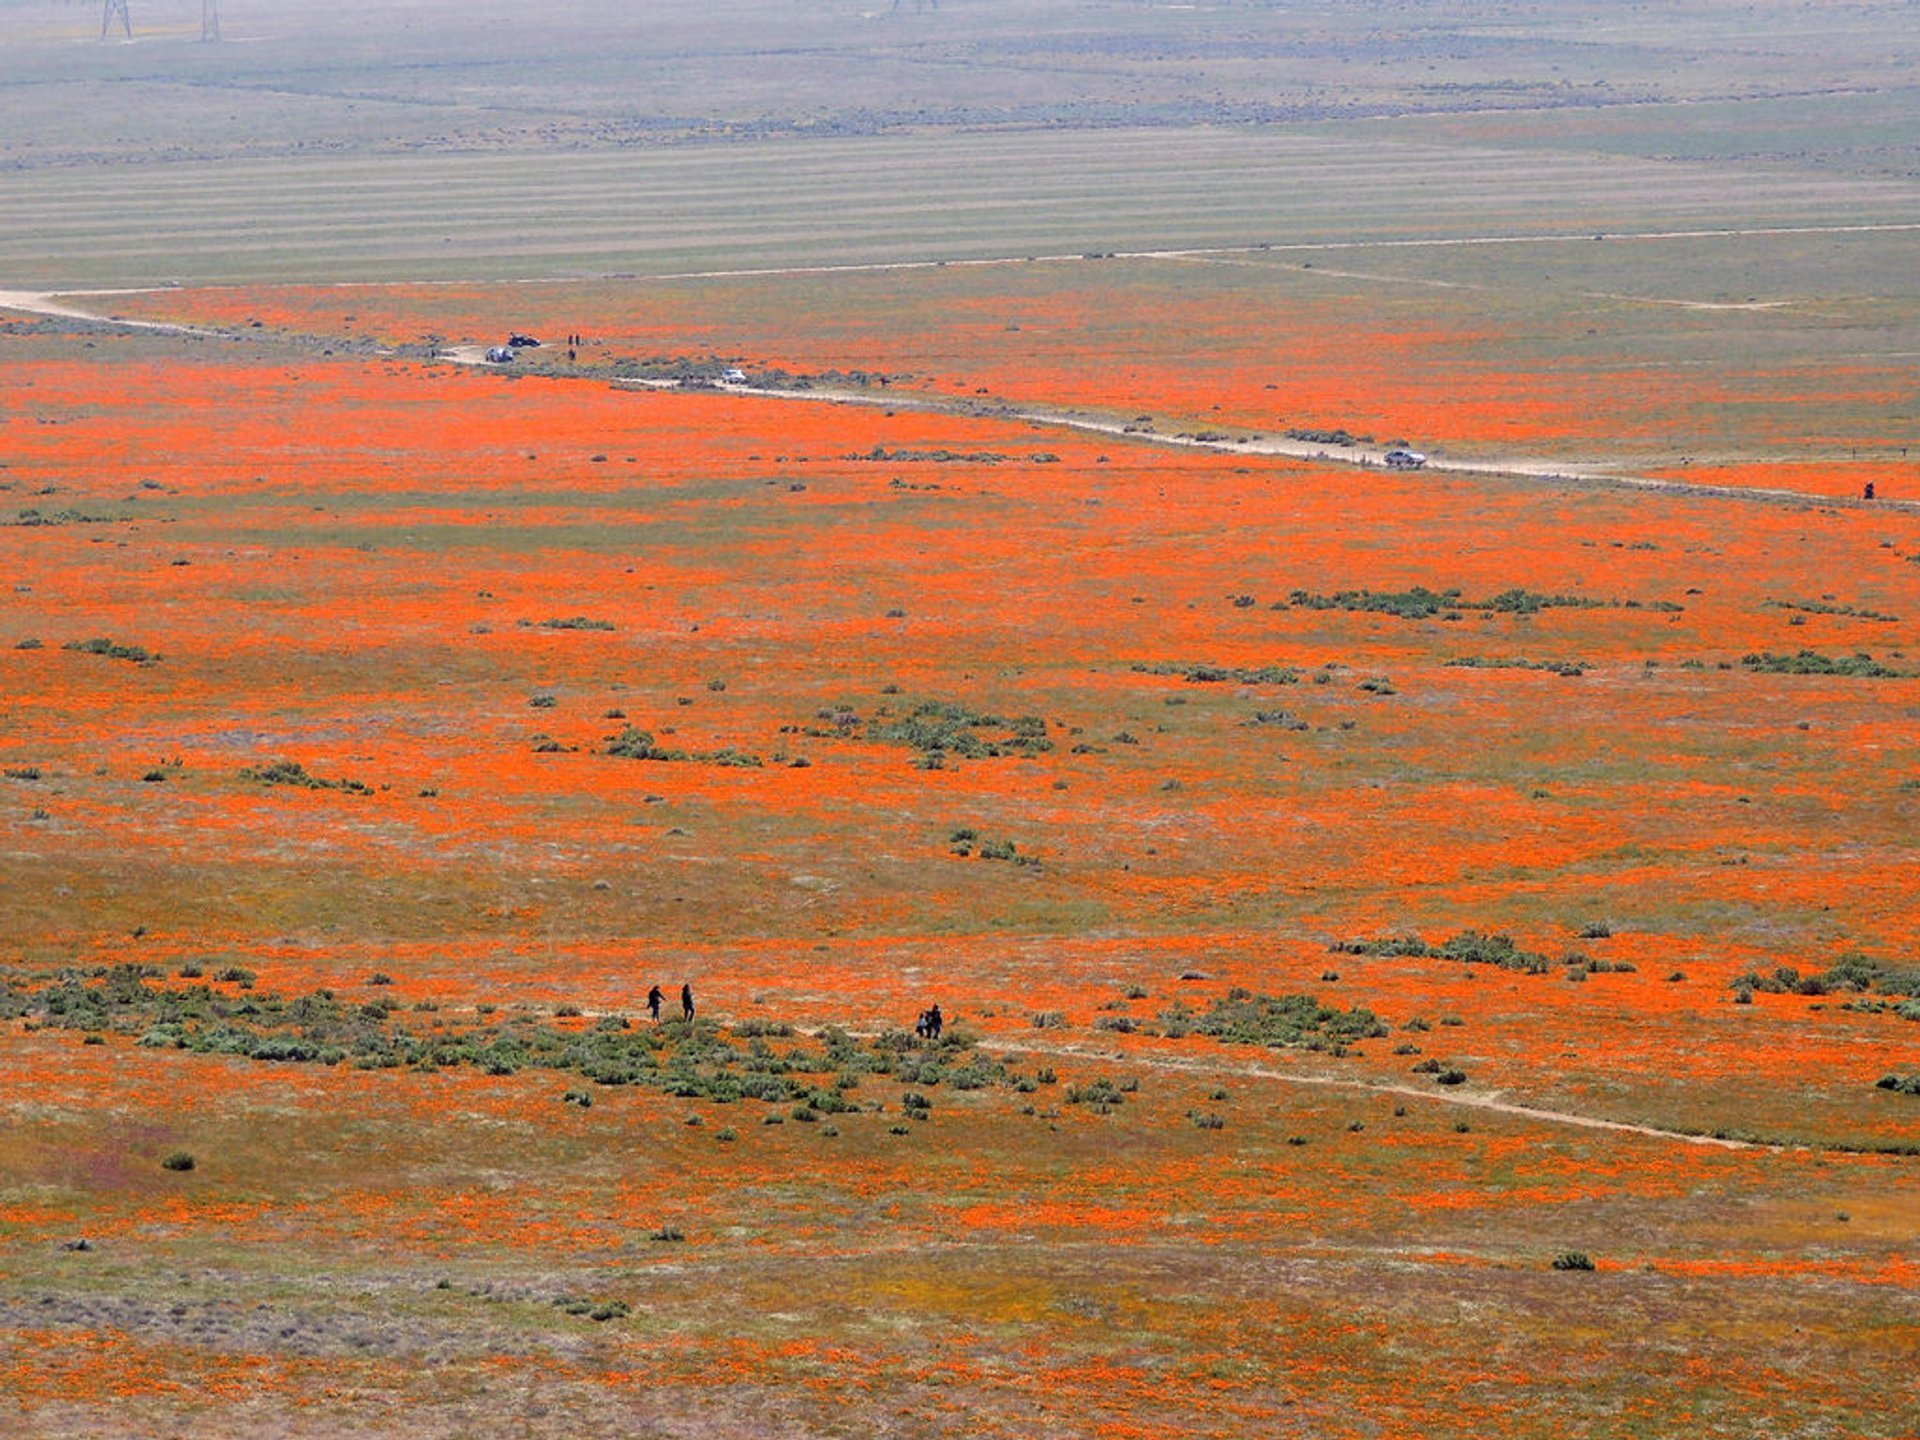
(601, 1310)
(1421, 603)
(1100, 1094)
(1341, 436)
(293, 774)
(1568, 669)
(964, 842)
(1823, 607)
(138, 654)
(1852, 973)
(937, 729)
(633, 743)
(574, 622)
(1287, 1022)
(940, 728)
(1471, 947)
(936, 457)
(1224, 674)
(1580, 966)
(1812, 662)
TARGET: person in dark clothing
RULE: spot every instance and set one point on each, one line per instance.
(686, 1003)
(654, 1001)
(935, 1021)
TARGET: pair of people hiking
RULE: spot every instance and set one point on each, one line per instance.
(655, 1000)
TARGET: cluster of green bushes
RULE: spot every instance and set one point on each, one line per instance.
(33, 518)
(1899, 1084)
(936, 729)
(138, 654)
(633, 743)
(964, 842)
(702, 1060)
(1101, 1095)
(1852, 973)
(1442, 1074)
(1341, 436)
(1570, 669)
(293, 773)
(1286, 1022)
(1421, 603)
(938, 457)
(1823, 607)
(940, 727)
(1224, 674)
(1812, 662)
(1470, 946)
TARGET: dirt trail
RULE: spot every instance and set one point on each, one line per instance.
(1595, 473)
(1601, 472)
(1468, 1099)
(42, 302)
(1197, 1065)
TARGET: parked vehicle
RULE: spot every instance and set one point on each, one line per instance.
(1405, 459)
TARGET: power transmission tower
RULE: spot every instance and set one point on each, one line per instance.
(209, 20)
(115, 7)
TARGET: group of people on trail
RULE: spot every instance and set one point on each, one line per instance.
(655, 1000)
(927, 1027)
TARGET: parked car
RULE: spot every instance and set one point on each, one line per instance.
(1405, 459)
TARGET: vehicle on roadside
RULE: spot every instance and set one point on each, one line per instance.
(500, 355)
(1404, 459)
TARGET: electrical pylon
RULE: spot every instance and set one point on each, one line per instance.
(115, 7)
(209, 21)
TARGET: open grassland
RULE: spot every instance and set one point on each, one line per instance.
(480, 702)
(865, 201)
(494, 141)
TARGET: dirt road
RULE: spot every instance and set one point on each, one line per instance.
(1600, 472)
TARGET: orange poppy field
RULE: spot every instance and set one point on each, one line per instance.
(1422, 952)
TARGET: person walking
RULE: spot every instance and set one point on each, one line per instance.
(654, 1001)
(686, 1003)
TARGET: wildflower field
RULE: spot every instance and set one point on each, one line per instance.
(1423, 952)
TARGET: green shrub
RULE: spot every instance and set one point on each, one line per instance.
(1096, 1092)
(138, 654)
